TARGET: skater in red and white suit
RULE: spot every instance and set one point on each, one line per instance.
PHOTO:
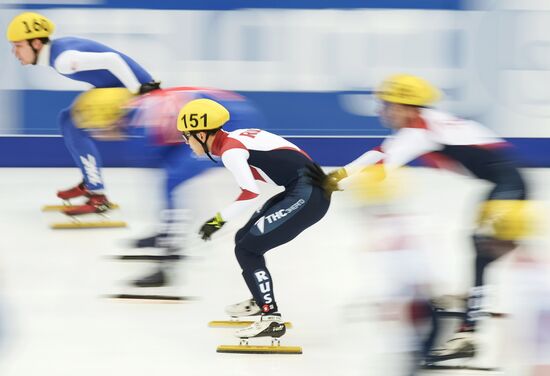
(254, 155)
(444, 140)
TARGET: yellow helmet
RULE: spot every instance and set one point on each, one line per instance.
(407, 89)
(29, 25)
(202, 115)
(100, 108)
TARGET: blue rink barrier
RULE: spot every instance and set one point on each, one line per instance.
(312, 114)
(33, 151)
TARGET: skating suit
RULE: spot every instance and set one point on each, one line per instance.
(254, 155)
(102, 67)
(444, 141)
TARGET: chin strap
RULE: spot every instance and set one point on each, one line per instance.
(205, 148)
(34, 50)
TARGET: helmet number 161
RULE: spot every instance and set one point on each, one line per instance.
(36, 25)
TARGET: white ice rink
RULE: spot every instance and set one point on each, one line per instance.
(56, 322)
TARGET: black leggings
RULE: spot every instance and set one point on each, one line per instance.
(281, 219)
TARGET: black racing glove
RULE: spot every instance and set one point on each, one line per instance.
(148, 87)
(328, 183)
(211, 226)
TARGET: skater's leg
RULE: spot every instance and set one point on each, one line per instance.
(179, 166)
(489, 248)
(499, 214)
(284, 218)
(83, 150)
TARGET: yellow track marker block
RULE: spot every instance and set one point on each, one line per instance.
(237, 324)
(55, 208)
(246, 349)
(85, 225)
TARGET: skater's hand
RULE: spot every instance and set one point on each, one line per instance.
(329, 183)
(148, 87)
(211, 226)
(335, 176)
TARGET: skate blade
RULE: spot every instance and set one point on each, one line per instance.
(147, 257)
(149, 298)
(462, 314)
(60, 208)
(237, 324)
(246, 349)
(462, 357)
(469, 368)
(84, 225)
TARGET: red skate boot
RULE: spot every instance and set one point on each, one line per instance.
(96, 204)
(78, 191)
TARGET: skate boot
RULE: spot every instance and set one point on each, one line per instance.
(269, 325)
(243, 309)
(96, 204)
(160, 240)
(158, 278)
(148, 242)
(461, 345)
(78, 191)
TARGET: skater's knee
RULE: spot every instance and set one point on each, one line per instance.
(240, 235)
(65, 116)
(247, 258)
(242, 256)
(66, 123)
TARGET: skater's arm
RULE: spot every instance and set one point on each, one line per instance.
(72, 61)
(367, 159)
(407, 145)
(236, 161)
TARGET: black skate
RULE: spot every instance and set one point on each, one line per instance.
(270, 325)
(148, 242)
(460, 346)
(156, 279)
(161, 240)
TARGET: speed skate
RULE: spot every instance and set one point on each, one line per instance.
(269, 326)
(245, 309)
(92, 213)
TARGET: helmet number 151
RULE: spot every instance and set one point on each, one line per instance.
(193, 120)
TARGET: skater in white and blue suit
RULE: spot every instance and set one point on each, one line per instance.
(86, 61)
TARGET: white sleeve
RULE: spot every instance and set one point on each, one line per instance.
(407, 145)
(369, 158)
(72, 61)
(236, 161)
